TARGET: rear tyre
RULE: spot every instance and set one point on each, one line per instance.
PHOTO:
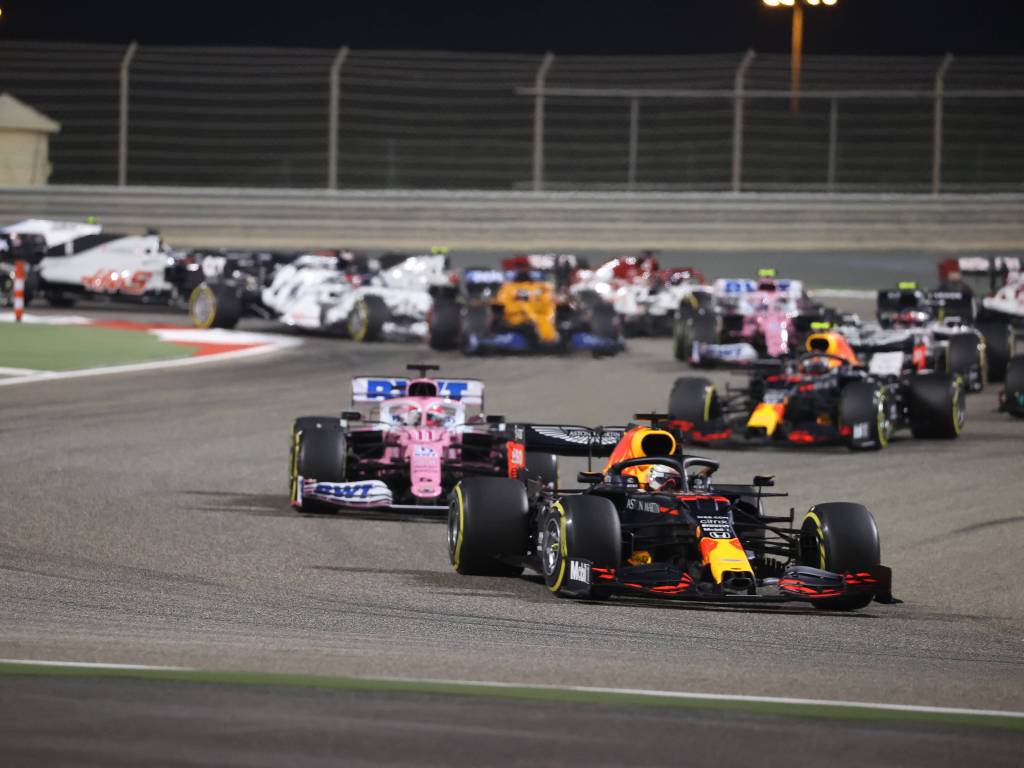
(215, 306)
(694, 402)
(700, 328)
(318, 452)
(487, 521)
(1014, 393)
(445, 325)
(840, 537)
(579, 528)
(937, 405)
(543, 467)
(366, 321)
(966, 357)
(1000, 344)
(476, 327)
(864, 410)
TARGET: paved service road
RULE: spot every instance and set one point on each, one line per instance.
(145, 520)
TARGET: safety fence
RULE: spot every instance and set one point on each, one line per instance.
(307, 118)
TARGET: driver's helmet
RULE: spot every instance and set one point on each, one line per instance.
(662, 478)
(436, 416)
(819, 364)
(408, 415)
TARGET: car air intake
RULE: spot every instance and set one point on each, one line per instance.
(422, 389)
(657, 443)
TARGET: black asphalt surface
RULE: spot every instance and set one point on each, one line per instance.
(144, 519)
(54, 721)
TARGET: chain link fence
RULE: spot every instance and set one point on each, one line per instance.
(352, 119)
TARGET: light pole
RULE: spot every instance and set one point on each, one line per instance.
(796, 42)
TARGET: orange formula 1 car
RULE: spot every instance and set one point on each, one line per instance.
(654, 524)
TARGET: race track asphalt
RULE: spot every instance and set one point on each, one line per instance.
(145, 520)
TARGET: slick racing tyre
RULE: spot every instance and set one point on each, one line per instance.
(864, 412)
(694, 404)
(577, 534)
(543, 467)
(937, 405)
(476, 327)
(840, 537)
(445, 325)
(1000, 341)
(318, 452)
(488, 520)
(701, 328)
(215, 306)
(604, 322)
(1014, 393)
(367, 319)
(60, 300)
(966, 357)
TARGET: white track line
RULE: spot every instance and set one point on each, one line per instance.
(689, 696)
(152, 366)
(18, 371)
(90, 665)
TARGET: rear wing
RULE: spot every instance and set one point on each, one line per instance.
(568, 439)
(374, 389)
(734, 287)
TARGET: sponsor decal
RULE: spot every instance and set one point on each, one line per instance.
(861, 431)
(124, 281)
(516, 458)
(580, 436)
(344, 490)
(579, 570)
(715, 527)
(424, 450)
(642, 505)
(382, 389)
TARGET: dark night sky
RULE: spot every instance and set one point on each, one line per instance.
(566, 26)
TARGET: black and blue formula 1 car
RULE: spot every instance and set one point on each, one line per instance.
(656, 525)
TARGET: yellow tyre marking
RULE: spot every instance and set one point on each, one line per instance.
(296, 436)
(957, 384)
(361, 334)
(709, 393)
(202, 288)
(565, 552)
(821, 537)
(462, 522)
(883, 437)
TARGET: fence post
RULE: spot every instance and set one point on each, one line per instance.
(940, 91)
(538, 120)
(833, 143)
(332, 117)
(634, 129)
(122, 134)
(737, 119)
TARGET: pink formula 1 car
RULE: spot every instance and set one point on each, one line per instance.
(748, 320)
(421, 436)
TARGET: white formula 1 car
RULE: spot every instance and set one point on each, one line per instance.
(646, 296)
(367, 299)
(71, 260)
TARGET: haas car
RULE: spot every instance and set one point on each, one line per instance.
(654, 524)
(823, 396)
(745, 320)
(68, 261)
(367, 299)
(423, 435)
(645, 295)
(523, 307)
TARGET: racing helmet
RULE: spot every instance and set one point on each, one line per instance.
(407, 415)
(663, 478)
(436, 416)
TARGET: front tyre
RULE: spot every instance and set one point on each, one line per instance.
(318, 451)
(576, 534)
(366, 321)
(840, 537)
(937, 405)
(487, 526)
(864, 414)
(445, 325)
(966, 357)
(1013, 396)
(215, 306)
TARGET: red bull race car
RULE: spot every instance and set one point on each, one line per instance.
(654, 524)
(421, 437)
(824, 396)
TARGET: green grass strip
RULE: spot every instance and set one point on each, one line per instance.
(72, 347)
(527, 693)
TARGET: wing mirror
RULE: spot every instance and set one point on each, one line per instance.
(493, 418)
(351, 416)
(589, 478)
(764, 481)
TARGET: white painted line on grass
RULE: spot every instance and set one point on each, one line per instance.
(18, 371)
(155, 365)
(8, 317)
(91, 665)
